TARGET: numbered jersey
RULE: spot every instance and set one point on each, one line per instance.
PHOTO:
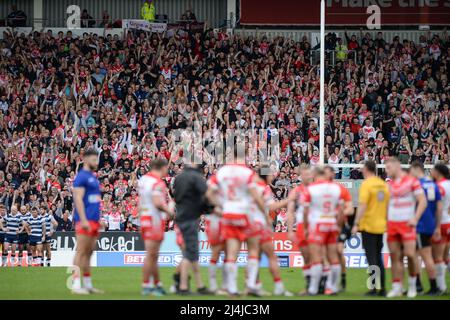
(233, 183)
(444, 188)
(149, 186)
(402, 203)
(264, 191)
(300, 192)
(324, 200)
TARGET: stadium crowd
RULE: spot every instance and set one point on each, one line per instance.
(61, 94)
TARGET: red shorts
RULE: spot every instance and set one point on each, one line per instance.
(92, 232)
(323, 233)
(152, 229)
(214, 234)
(399, 231)
(266, 235)
(179, 237)
(445, 234)
(301, 239)
(237, 226)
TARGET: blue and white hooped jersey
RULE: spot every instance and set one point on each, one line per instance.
(13, 223)
(36, 226)
(47, 219)
(25, 217)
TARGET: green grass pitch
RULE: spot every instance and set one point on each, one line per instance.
(123, 283)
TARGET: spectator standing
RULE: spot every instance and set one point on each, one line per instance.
(148, 11)
(17, 18)
(64, 222)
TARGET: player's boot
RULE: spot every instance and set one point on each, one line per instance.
(95, 291)
(80, 291)
(280, 290)
(322, 284)
(221, 292)
(412, 292)
(329, 292)
(395, 292)
(159, 291)
(204, 291)
(146, 291)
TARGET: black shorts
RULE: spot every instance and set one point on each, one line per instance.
(189, 231)
(23, 238)
(2, 238)
(345, 234)
(48, 239)
(423, 240)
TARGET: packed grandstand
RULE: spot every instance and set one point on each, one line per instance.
(126, 96)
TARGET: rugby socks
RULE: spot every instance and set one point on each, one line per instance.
(20, 259)
(30, 260)
(38, 261)
(419, 284)
(335, 275)
(433, 285)
(147, 283)
(325, 280)
(440, 276)
(87, 281)
(412, 282)
(5, 259)
(316, 275)
(232, 272)
(252, 272)
(397, 285)
(212, 270)
(307, 274)
(343, 280)
(76, 282)
(47, 262)
(278, 286)
(224, 278)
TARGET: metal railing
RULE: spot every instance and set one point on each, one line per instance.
(330, 55)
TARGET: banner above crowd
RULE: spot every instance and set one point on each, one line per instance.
(345, 12)
(144, 25)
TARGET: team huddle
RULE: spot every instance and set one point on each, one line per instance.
(26, 231)
(417, 214)
(412, 208)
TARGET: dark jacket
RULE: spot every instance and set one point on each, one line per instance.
(189, 191)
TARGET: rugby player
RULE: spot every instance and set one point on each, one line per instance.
(50, 227)
(406, 205)
(154, 210)
(36, 229)
(344, 235)
(428, 225)
(236, 185)
(213, 230)
(325, 204)
(262, 222)
(12, 226)
(23, 236)
(441, 239)
(86, 197)
(295, 215)
(3, 253)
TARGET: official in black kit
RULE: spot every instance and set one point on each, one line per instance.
(189, 190)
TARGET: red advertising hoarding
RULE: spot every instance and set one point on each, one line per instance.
(344, 12)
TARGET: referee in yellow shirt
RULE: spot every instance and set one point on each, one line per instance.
(370, 220)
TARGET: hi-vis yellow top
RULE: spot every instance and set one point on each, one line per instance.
(374, 192)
